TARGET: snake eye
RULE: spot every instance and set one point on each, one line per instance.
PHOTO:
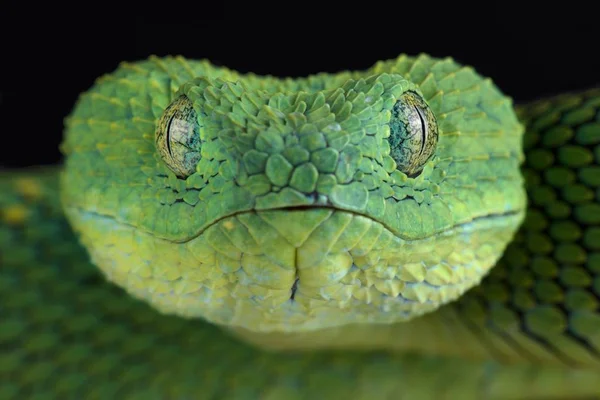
(178, 137)
(413, 133)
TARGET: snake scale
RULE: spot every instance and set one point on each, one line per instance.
(402, 232)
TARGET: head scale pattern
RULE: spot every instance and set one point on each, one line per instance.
(367, 241)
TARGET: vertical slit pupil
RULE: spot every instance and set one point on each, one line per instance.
(168, 136)
(423, 129)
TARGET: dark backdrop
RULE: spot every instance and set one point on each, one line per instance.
(47, 62)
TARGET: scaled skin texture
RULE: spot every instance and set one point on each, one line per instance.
(529, 330)
(294, 215)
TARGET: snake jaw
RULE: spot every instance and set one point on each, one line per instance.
(296, 269)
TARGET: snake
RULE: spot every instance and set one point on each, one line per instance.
(400, 232)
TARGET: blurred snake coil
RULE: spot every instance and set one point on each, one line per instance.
(402, 232)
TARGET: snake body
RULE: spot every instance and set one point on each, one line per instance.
(399, 232)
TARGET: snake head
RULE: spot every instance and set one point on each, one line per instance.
(287, 205)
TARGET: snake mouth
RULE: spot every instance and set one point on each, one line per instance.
(506, 215)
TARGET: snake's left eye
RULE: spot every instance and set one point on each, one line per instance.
(413, 133)
(178, 137)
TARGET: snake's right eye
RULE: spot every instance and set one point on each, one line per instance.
(178, 137)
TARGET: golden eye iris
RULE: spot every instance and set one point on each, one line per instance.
(413, 133)
(178, 137)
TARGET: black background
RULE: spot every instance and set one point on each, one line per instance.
(47, 62)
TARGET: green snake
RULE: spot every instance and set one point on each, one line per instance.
(400, 232)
